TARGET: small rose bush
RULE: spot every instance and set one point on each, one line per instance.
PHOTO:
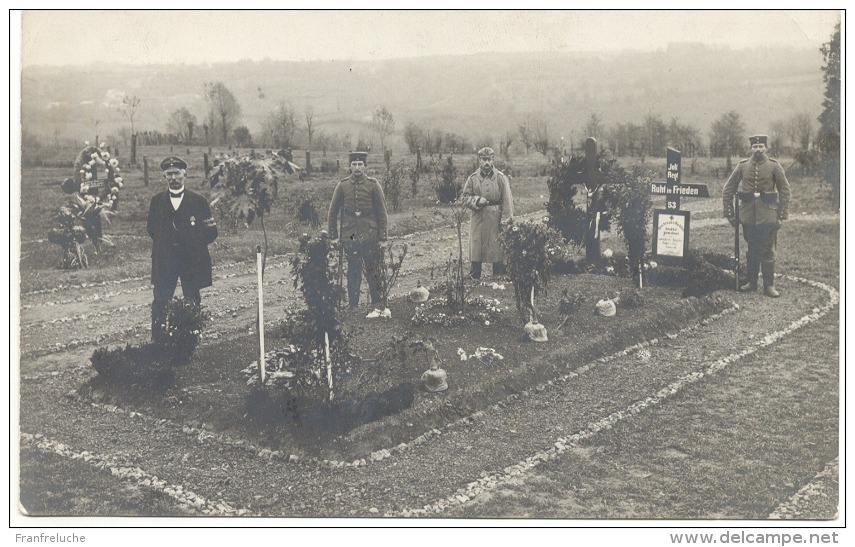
(530, 249)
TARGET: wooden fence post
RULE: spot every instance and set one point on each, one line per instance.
(387, 157)
(145, 169)
(419, 159)
(205, 165)
(308, 162)
(134, 149)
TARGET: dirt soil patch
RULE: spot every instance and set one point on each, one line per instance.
(383, 403)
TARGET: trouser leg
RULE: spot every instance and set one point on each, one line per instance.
(371, 259)
(163, 292)
(475, 271)
(499, 268)
(354, 275)
(750, 232)
(767, 255)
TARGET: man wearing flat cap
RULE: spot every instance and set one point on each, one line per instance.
(487, 193)
(357, 216)
(181, 227)
(764, 200)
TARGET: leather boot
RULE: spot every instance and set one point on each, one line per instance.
(769, 280)
(475, 272)
(753, 274)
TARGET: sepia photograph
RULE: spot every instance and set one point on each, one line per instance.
(427, 267)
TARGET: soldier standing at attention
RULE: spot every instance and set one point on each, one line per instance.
(359, 205)
(488, 193)
(181, 227)
(764, 200)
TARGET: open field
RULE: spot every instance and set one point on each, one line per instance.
(195, 448)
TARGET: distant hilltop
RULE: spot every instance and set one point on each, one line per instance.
(468, 94)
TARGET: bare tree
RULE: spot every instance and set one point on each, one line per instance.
(223, 109)
(594, 127)
(181, 123)
(541, 138)
(310, 125)
(801, 129)
(129, 109)
(526, 134)
(414, 136)
(778, 136)
(384, 124)
(281, 125)
(728, 135)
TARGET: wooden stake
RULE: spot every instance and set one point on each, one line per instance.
(329, 364)
(262, 365)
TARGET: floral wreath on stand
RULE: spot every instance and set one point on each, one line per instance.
(94, 191)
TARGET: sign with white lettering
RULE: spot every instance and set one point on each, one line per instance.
(671, 235)
(686, 190)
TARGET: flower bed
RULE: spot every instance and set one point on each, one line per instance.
(382, 401)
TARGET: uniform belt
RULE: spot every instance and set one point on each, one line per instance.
(358, 213)
(764, 197)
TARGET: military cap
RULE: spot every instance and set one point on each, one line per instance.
(357, 156)
(486, 152)
(759, 139)
(173, 162)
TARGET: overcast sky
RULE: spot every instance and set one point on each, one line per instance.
(156, 37)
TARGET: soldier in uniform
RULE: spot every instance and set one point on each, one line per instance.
(358, 207)
(764, 199)
(181, 227)
(487, 193)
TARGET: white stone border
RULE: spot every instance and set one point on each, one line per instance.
(790, 508)
(491, 480)
(135, 475)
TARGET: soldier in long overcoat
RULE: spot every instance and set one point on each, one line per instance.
(487, 193)
(359, 206)
(764, 200)
(181, 227)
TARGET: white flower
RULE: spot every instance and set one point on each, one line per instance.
(94, 155)
(84, 188)
(119, 183)
(88, 176)
(653, 264)
(486, 323)
(118, 179)
(114, 162)
(105, 155)
(608, 253)
(103, 144)
(86, 143)
(82, 171)
(610, 269)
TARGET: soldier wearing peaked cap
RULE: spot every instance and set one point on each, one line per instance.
(487, 193)
(181, 227)
(764, 200)
(358, 217)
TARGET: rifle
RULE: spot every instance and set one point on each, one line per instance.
(340, 253)
(736, 241)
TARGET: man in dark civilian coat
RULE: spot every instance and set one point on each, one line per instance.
(181, 226)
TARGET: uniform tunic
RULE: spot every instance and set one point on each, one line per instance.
(360, 206)
(486, 221)
(761, 209)
(758, 177)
